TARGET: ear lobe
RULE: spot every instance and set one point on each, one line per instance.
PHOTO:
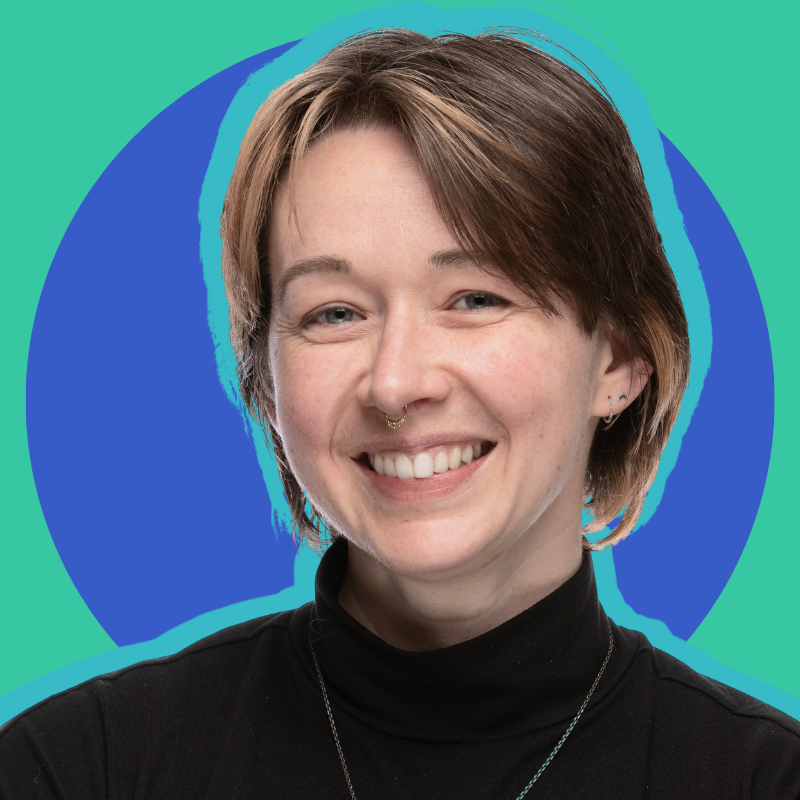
(623, 381)
(632, 376)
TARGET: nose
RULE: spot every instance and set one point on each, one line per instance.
(407, 367)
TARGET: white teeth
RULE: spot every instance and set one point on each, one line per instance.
(423, 466)
(454, 459)
(440, 463)
(404, 467)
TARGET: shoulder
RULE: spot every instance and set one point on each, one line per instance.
(716, 734)
(679, 681)
(122, 717)
(223, 649)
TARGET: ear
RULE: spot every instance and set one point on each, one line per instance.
(620, 376)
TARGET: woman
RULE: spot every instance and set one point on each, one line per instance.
(454, 319)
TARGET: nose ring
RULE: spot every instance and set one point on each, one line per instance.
(394, 424)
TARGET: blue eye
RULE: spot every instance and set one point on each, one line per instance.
(336, 315)
(475, 301)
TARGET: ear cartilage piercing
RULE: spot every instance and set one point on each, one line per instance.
(394, 424)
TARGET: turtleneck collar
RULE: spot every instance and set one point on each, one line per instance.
(531, 672)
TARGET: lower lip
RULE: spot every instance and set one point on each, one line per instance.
(421, 489)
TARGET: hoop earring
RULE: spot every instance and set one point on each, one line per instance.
(611, 419)
(394, 424)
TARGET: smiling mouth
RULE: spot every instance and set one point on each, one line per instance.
(429, 462)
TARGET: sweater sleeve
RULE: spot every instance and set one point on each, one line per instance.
(774, 768)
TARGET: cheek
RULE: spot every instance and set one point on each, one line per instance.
(309, 392)
(536, 385)
(520, 368)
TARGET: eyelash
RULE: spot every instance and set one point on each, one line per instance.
(317, 317)
(495, 301)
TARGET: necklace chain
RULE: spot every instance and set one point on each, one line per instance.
(535, 777)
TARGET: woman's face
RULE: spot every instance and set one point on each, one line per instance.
(375, 308)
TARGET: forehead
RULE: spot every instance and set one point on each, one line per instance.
(358, 191)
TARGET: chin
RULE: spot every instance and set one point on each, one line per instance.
(429, 548)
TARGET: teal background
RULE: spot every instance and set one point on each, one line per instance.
(82, 81)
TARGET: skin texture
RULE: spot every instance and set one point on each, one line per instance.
(432, 562)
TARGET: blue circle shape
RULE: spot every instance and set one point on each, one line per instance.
(146, 474)
(676, 565)
(147, 478)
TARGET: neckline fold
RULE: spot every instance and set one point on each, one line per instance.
(529, 673)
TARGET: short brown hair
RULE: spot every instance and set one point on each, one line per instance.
(532, 167)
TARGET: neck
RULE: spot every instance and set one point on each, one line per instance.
(420, 613)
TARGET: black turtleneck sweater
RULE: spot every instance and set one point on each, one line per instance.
(241, 715)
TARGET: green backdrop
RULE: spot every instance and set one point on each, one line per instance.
(81, 79)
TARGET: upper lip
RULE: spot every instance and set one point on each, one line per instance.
(417, 444)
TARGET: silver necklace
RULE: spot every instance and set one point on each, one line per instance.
(533, 779)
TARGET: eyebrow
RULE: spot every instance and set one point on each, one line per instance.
(442, 259)
(309, 266)
(457, 258)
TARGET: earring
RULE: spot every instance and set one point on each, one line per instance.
(610, 419)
